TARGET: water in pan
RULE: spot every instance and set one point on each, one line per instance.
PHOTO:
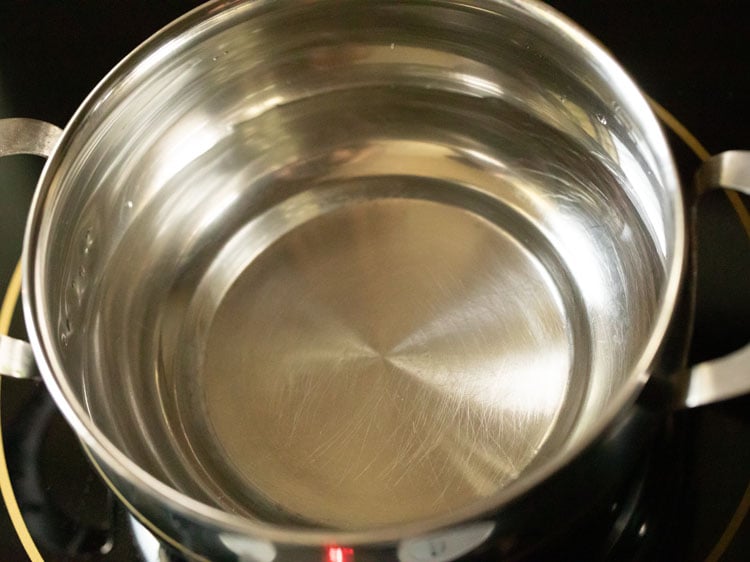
(383, 303)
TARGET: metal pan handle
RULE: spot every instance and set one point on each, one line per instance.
(29, 505)
(23, 136)
(728, 376)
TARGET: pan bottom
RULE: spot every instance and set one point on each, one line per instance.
(364, 370)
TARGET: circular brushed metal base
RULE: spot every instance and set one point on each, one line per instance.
(386, 361)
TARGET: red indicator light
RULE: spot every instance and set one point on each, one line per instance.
(339, 554)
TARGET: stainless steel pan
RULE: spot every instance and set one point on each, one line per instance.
(348, 273)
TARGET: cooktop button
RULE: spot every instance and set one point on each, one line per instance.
(445, 546)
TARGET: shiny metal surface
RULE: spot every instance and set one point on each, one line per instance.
(352, 265)
(381, 364)
(386, 315)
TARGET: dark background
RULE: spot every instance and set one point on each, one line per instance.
(692, 56)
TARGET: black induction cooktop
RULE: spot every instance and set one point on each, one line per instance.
(690, 56)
